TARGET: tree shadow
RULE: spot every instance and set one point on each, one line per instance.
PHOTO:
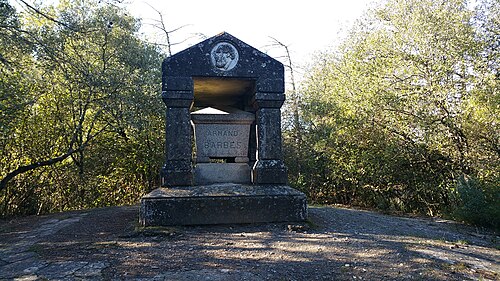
(340, 245)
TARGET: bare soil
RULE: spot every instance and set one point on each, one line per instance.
(336, 244)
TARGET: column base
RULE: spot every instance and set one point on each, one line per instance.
(175, 177)
(269, 172)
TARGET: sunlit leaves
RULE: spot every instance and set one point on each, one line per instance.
(404, 106)
(88, 85)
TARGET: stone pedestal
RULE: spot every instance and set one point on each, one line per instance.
(222, 204)
(222, 136)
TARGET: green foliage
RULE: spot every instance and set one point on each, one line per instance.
(406, 105)
(478, 203)
(81, 119)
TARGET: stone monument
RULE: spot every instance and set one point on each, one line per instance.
(224, 160)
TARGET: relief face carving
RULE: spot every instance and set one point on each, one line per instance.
(224, 56)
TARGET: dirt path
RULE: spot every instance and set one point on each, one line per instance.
(338, 244)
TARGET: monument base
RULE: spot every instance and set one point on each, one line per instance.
(222, 204)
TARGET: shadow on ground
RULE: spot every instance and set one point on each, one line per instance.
(337, 244)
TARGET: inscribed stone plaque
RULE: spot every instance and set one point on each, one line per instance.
(221, 133)
(222, 140)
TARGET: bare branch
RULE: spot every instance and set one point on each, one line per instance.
(178, 28)
(289, 65)
(161, 26)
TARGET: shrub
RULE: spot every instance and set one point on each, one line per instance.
(477, 202)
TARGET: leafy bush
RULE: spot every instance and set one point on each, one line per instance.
(477, 203)
(408, 101)
(81, 120)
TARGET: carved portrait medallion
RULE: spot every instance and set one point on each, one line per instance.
(224, 56)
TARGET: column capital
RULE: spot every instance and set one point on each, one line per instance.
(177, 83)
(177, 98)
(268, 100)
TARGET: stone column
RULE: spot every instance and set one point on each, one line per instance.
(269, 168)
(252, 145)
(177, 170)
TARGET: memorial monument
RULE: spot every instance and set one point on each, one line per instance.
(224, 159)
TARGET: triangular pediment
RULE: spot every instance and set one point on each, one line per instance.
(222, 71)
(222, 55)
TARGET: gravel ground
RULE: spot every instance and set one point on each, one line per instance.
(336, 244)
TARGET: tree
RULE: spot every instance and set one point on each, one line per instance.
(393, 114)
(164, 34)
(89, 133)
(292, 124)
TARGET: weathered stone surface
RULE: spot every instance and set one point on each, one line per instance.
(172, 175)
(269, 133)
(242, 145)
(270, 85)
(252, 145)
(221, 133)
(208, 173)
(199, 61)
(268, 100)
(178, 99)
(222, 203)
(178, 150)
(269, 172)
(172, 83)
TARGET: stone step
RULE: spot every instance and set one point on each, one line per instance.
(222, 204)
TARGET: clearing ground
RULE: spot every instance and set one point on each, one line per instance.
(337, 244)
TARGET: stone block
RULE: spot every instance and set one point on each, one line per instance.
(268, 100)
(270, 85)
(269, 133)
(178, 134)
(177, 83)
(177, 172)
(222, 204)
(178, 98)
(208, 173)
(269, 172)
(221, 133)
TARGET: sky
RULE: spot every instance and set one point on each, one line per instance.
(304, 26)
